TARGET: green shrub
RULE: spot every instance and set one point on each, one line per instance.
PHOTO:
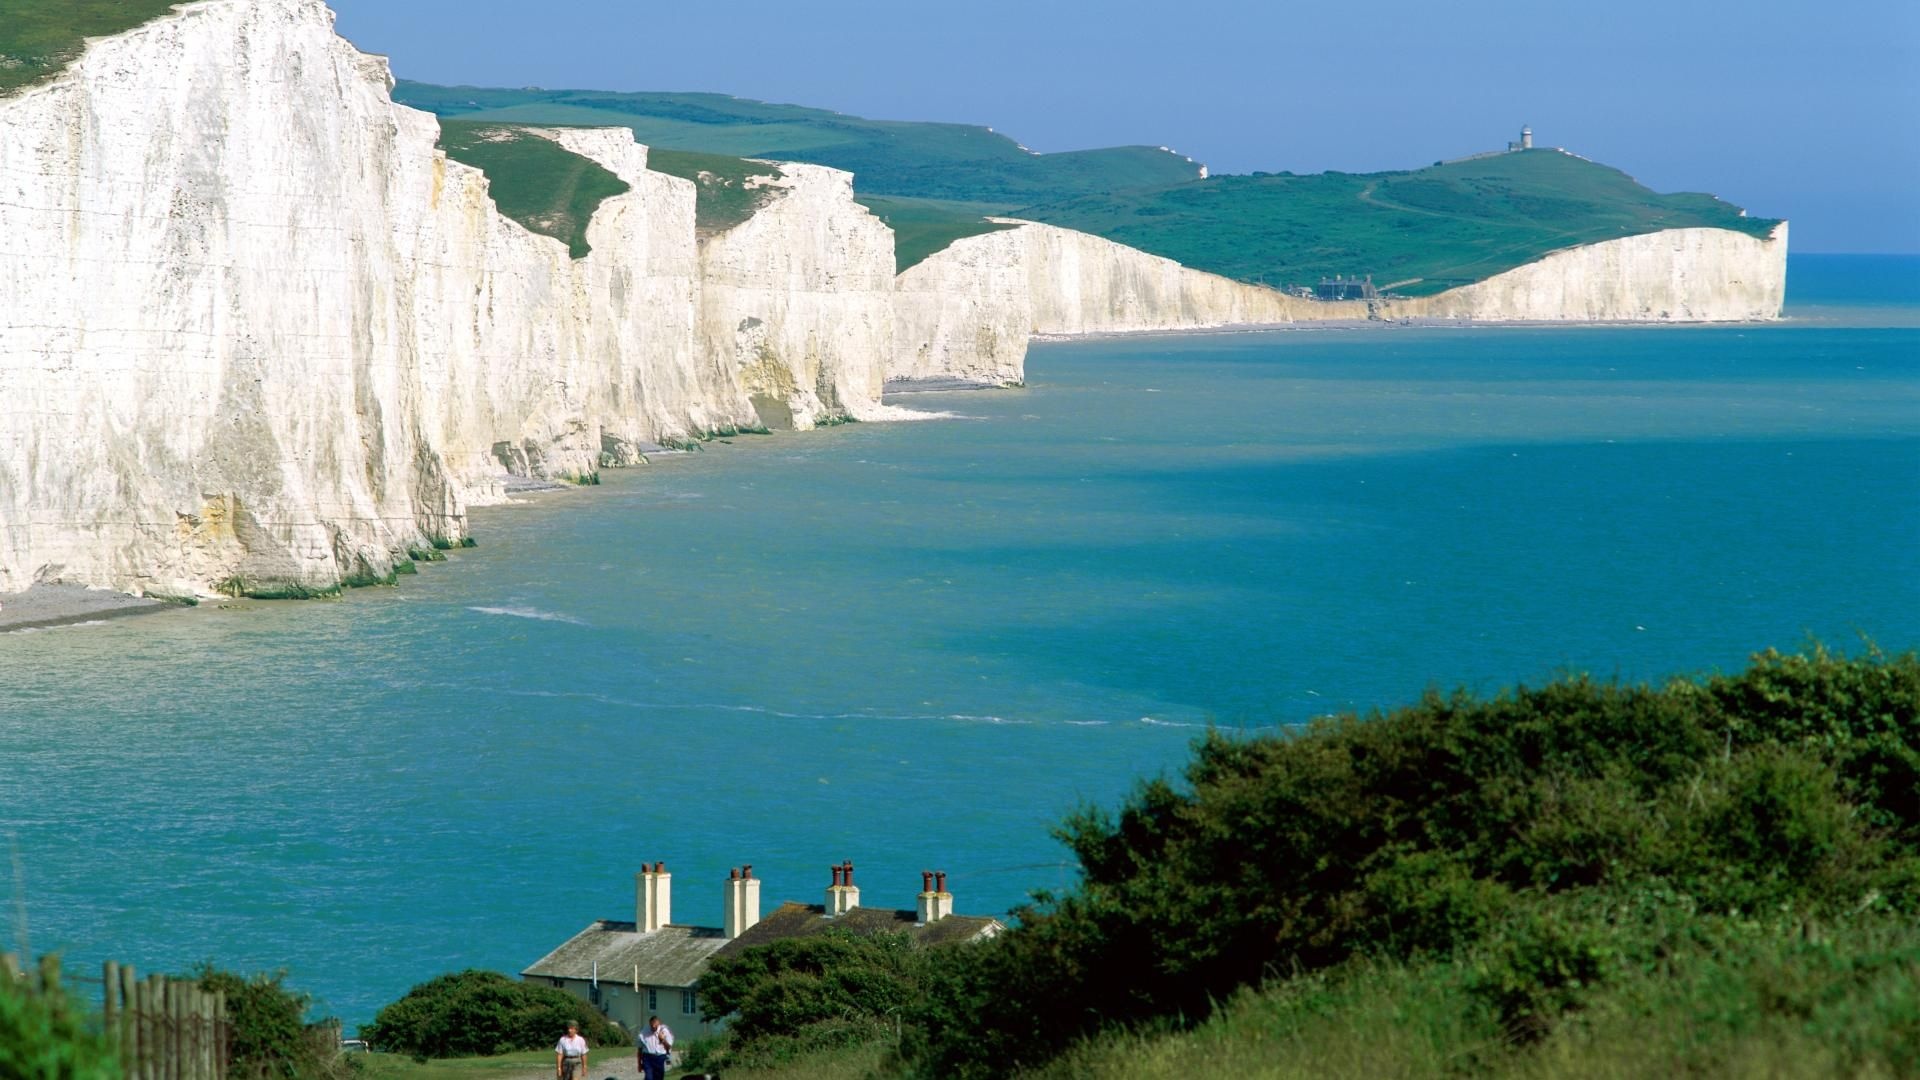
(46, 1036)
(479, 1013)
(1538, 972)
(1504, 827)
(270, 1035)
(801, 995)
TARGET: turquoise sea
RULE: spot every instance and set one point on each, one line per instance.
(917, 645)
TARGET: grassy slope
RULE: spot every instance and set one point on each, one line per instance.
(39, 38)
(924, 226)
(934, 183)
(1770, 1005)
(722, 198)
(893, 158)
(1447, 224)
(536, 182)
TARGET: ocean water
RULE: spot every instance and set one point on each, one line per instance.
(917, 646)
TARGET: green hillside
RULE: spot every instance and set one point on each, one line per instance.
(1702, 877)
(932, 183)
(1423, 231)
(38, 38)
(725, 193)
(1433, 228)
(547, 188)
(887, 157)
(924, 226)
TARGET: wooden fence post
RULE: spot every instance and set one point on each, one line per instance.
(175, 1043)
(156, 1037)
(109, 1005)
(223, 1039)
(129, 1021)
(203, 1023)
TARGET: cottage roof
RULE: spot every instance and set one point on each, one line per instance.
(670, 956)
(793, 919)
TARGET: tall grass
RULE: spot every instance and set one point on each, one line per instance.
(40, 38)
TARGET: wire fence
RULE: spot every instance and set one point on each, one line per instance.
(164, 1029)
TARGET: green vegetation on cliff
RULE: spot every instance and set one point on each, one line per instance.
(1423, 231)
(727, 190)
(924, 226)
(894, 158)
(39, 38)
(535, 181)
(1579, 879)
(932, 183)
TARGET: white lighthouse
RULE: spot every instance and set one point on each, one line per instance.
(1526, 138)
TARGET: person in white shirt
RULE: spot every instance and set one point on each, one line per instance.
(656, 1044)
(570, 1055)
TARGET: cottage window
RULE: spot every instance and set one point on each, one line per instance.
(689, 1002)
(653, 1000)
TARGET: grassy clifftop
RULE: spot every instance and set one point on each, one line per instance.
(932, 183)
(39, 38)
(1423, 230)
(1435, 228)
(540, 184)
(887, 157)
(727, 190)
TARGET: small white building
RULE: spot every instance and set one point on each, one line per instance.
(652, 965)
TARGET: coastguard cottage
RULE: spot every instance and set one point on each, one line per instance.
(652, 965)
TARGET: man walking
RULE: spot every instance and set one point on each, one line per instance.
(656, 1043)
(570, 1055)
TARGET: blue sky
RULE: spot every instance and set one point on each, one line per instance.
(1791, 108)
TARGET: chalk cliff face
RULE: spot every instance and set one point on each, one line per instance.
(799, 301)
(968, 311)
(1679, 275)
(257, 334)
(208, 365)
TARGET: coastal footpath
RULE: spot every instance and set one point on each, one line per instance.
(258, 335)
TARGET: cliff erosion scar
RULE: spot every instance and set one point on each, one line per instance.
(259, 335)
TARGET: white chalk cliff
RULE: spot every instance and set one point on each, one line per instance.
(968, 311)
(258, 334)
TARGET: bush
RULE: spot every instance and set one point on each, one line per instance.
(45, 1036)
(482, 1013)
(822, 992)
(1791, 787)
(270, 1036)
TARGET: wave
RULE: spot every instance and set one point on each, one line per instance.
(528, 613)
(57, 626)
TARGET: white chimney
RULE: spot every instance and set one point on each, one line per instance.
(843, 895)
(743, 901)
(936, 902)
(653, 898)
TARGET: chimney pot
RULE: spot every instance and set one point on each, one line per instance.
(849, 866)
(926, 881)
(653, 902)
(940, 881)
(743, 901)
